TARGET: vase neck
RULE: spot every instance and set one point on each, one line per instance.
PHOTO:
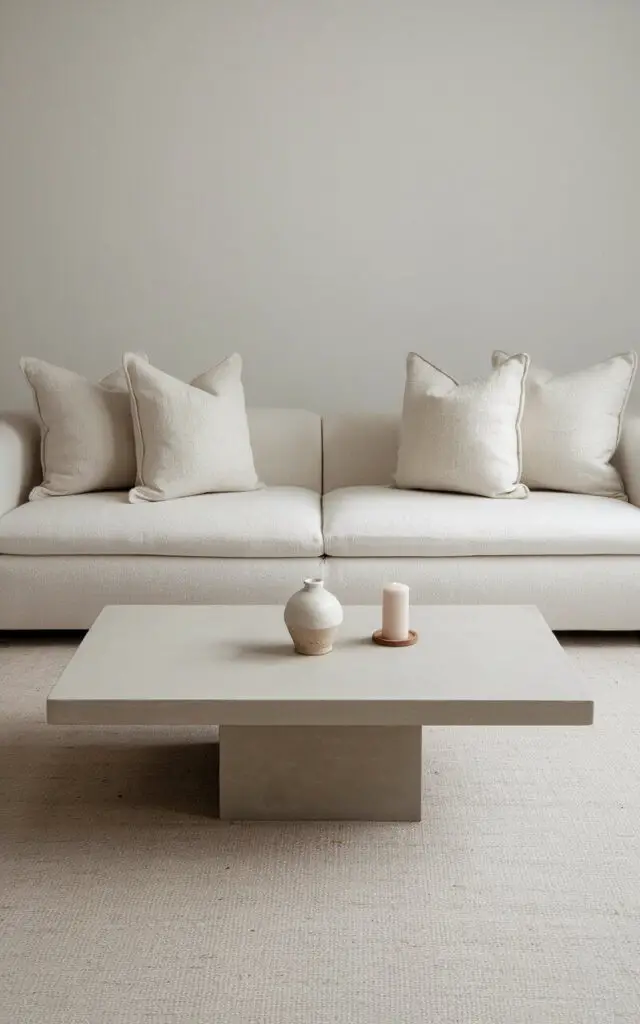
(313, 584)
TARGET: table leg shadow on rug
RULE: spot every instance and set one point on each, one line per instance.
(84, 774)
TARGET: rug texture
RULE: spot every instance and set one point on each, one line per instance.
(515, 901)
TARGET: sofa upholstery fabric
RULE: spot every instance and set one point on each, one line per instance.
(359, 450)
(462, 437)
(591, 592)
(365, 522)
(287, 447)
(87, 434)
(273, 522)
(571, 425)
(70, 591)
(67, 591)
(19, 458)
(190, 438)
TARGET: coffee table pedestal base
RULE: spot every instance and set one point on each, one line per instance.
(321, 773)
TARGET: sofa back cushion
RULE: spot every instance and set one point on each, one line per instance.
(360, 449)
(287, 447)
(286, 443)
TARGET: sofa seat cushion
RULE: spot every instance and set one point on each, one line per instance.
(274, 522)
(385, 522)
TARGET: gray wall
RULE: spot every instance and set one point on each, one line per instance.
(319, 184)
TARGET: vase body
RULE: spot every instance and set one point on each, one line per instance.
(312, 616)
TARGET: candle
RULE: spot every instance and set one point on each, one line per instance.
(395, 611)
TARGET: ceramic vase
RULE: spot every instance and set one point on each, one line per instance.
(312, 617)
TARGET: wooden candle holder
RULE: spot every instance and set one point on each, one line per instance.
(382, 641)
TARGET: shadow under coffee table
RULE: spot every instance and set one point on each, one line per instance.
(333, 737)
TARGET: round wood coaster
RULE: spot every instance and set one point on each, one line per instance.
(378, 638)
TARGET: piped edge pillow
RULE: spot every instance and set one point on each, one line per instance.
(572, 424)
(87, 442)
(190, 438)
(462, 437)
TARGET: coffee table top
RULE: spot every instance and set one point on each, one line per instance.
(235, 665)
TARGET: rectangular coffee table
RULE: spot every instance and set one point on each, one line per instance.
(333, 737)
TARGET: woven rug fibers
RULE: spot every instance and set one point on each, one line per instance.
(515, 901)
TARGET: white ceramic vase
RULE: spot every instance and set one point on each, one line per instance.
(312, 617)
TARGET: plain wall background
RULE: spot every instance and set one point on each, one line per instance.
(321, 185)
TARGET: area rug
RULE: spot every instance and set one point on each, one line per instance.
(515, 901)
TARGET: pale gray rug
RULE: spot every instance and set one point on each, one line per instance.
(516, 901)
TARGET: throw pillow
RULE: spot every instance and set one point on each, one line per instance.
(571, 426)
(190, 438)
(87, 441)
(462, 437)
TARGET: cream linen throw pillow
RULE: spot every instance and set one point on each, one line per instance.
(87, 439)
(462, 437)
(190, 438)
(571, 426)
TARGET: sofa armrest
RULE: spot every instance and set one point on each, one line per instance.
(627, 458)
(20, 466)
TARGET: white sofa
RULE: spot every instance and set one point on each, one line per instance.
(62, 559)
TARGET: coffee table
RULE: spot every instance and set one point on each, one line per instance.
(333, 737)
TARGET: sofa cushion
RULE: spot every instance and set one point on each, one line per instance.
(463, 438)
(190, 438)
(572, 423)
(86, 428)
(287, 447)
(275, 522)
(359, 450)
(385, 522)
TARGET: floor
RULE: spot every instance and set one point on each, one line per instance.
(515, 901)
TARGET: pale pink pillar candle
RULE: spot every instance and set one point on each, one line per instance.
(395, 611)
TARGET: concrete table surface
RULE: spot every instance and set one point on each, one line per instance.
(337, 736)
